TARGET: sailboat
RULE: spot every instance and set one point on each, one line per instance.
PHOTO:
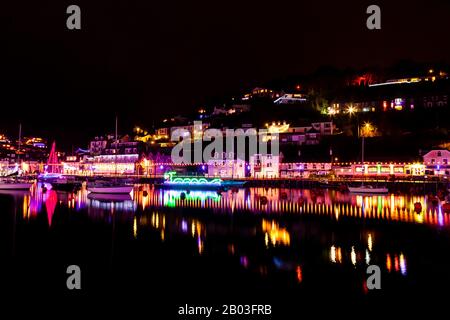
(9, 183)
(111, 187)
(366, 189)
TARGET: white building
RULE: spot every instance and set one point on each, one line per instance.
(112, 164)
(437, 162)
(226, 166)
(303, 170)
(264, 166)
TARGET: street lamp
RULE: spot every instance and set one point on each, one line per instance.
(368, 130)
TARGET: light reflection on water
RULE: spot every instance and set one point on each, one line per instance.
(275, 201)
(269, 243)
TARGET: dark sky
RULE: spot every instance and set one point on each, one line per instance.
(143, 59)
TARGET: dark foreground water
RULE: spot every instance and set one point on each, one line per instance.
(157, 250)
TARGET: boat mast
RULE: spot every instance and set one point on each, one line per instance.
(115, 152)
(362, 151)
(20, 138)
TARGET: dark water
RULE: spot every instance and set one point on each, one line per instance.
(289, 248)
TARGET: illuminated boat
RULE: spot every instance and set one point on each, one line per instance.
(368, 190)
(172, 181)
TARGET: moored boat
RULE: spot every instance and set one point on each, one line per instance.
(368, 190)
(110, 188)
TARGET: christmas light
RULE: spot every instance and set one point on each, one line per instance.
(171, 179)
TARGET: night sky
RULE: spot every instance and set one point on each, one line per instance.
(146, 59)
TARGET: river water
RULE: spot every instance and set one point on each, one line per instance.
(254, 245)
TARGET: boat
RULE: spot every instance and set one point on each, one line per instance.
(368, 189)
(111, 187)
(363, 188)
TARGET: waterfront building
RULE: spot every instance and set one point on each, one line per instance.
(349, 170)
(264, 166)
(226, 166)
(112, 164)
(378, 169)
(156, 164)
(107, 157)
(71, 165)
(437, 162)
(303, 170)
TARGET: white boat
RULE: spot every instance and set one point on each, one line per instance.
(368, 190)
(111, 189)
